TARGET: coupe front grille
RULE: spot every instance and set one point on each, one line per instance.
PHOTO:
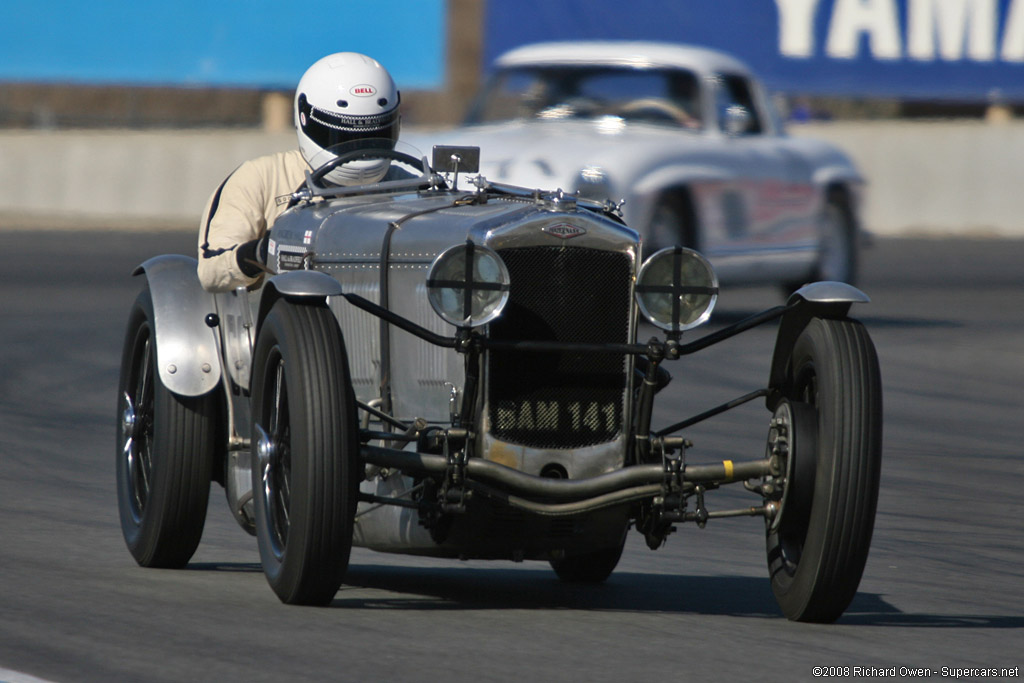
(560, 400)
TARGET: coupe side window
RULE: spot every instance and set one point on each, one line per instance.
(735, 91)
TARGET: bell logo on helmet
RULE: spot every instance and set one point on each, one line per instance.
(364, 90)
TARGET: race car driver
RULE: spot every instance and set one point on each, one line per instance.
(343, 97)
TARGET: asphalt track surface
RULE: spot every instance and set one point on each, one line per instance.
(943, 587)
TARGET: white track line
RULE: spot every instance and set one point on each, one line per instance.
(8, 676)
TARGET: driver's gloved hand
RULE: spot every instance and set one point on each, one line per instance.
(252, 256)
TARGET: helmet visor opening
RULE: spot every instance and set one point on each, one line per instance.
(328, 129)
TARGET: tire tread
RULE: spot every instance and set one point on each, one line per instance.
(183, 450)
(849, 463)
(322, 412)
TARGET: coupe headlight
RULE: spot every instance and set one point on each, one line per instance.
(676, 289)
(593, 183)
(468, 285)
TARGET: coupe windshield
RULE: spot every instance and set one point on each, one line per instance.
(665, 96)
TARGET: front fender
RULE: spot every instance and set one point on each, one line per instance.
(308, 286)
(305, 284)
(186, 348)
(646, 190)
(675, 175)
(838, 174)
(817, 299)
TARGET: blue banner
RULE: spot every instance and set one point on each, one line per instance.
(252, 43)
(967, 50)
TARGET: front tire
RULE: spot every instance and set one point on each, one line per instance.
(165, 453)
(818, 544)
(305, 453)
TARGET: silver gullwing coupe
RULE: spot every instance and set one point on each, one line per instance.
(456, 372)
(684, 136)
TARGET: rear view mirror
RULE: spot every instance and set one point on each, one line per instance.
(456, 159)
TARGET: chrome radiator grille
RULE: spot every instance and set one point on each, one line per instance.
(560, 400)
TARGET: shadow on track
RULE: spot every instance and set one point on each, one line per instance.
(411, 588)
(731, 317)
(465, 588)
(227, 567)
(454, 589)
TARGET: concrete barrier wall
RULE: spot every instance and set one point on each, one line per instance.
(938, 178)
(121, 177)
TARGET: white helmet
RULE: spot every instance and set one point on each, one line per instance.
(344, 98)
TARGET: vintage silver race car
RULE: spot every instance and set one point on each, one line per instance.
(456, 372)
(687, 138)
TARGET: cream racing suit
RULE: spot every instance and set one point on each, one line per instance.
(241, 210)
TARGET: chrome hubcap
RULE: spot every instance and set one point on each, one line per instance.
(128, 419)
(264, 449)
(778, 451)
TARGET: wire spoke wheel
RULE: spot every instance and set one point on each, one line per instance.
(274, 458)
(305, 450)
(137, 429)
(165, 452)
(827, 433)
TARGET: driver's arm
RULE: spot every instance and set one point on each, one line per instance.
(239, 212)
(233, 216)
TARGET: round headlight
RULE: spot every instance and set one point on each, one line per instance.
(676, 289)
(468, 285)
(593, 183)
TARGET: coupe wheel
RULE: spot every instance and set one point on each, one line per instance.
(828, 436)
(672, 223)
(837, 255)
(165, 453)
(837, 248)
(305, 453)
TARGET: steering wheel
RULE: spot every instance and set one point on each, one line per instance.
(660, 108)
(318, 175)
(577, 107)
